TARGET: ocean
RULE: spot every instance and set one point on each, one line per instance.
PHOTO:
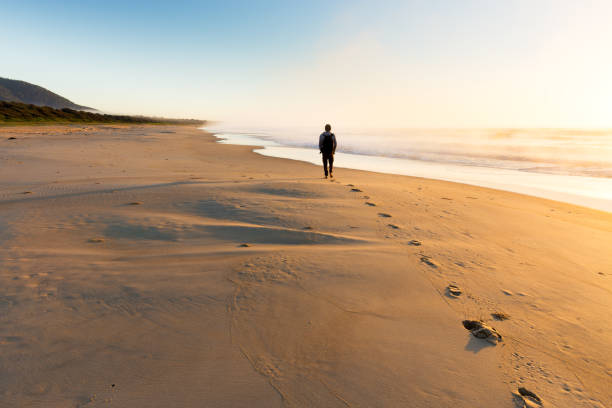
(570, 165)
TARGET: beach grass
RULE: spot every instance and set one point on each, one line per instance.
(15, 113)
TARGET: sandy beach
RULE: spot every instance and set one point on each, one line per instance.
(149, 266)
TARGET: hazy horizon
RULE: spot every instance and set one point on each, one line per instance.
(412, 64)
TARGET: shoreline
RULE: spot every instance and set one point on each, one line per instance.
(557, 187)
(171, 269)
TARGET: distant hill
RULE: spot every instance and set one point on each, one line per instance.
(19, 91)
(21, 113)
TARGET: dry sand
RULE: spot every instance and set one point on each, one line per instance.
(152, 267)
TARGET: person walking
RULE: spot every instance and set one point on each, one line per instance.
(327, 147)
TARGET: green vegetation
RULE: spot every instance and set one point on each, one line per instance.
(21, 113)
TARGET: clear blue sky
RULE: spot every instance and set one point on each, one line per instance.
(393, 63)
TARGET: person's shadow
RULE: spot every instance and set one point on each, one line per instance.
(475, 345)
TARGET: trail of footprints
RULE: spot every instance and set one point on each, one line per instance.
(523, 397)
(427, 260)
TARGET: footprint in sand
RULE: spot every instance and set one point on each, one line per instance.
(12, 138)
(528, 398)
(482, 331)
(370, 204)
(393, 226)
(356, 190)
(453, 290)
(384, 215)
(244, 245)
(414, 242)
(428, 261)
(500, 316)
(350, 185)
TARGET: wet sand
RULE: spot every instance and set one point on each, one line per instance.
(152, 267)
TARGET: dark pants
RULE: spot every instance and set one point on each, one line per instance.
(328, 157)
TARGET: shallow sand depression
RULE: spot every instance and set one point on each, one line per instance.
(148, 266)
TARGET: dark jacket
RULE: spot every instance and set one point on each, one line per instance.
(326, 149)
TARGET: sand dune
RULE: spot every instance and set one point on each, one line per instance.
(151, 267)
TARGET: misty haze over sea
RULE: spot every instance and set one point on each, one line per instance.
(572, 165)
